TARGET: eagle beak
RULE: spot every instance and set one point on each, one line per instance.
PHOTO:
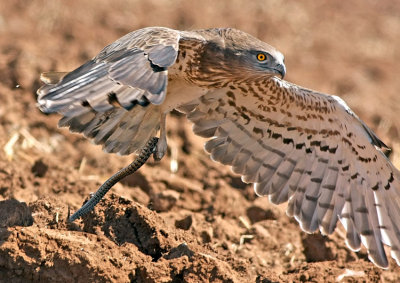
(280, 70)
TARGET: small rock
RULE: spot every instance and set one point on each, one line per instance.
(316, 248)
(39, 169)
(179, 251)
(304, 277)
(256, 214)
(184, 223)
(205, 236)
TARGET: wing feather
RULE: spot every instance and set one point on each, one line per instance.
(138, 60)
(98, 98)
(309, 149)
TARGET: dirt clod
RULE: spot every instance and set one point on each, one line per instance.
(39, 169)
(184, 223)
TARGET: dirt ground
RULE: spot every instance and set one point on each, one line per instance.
(200, 224)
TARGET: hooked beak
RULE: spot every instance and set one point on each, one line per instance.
(280, 70)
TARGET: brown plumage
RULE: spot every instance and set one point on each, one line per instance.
(294, 144)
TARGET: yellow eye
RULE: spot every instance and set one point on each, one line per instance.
(261, 57)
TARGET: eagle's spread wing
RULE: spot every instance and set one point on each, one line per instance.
(309, 149)
(129, 71)
(97, 99)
